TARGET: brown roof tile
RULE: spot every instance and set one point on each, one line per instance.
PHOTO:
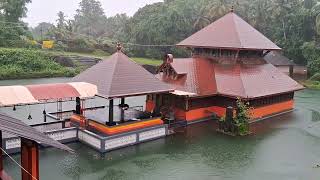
(119, 76)
(230, 32)
(277, 59)
(206, 77)
(18, 128)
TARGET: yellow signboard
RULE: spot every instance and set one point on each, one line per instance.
(47, 44)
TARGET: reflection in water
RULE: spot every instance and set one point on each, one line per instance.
(315, 115)
(285, 147)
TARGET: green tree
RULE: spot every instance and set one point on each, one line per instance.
(61, 21)
(13, 10)
(11, 28)
(40, 32)
(90, 18)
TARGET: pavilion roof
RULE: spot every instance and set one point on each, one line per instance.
(229, 32)
(278, 59)
(33, 94)
(204, 77)
(18, 128)
(119, 76)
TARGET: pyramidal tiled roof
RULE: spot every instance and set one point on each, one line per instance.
(119, 76)
(230, 32)
(206, 78)
(278, 59)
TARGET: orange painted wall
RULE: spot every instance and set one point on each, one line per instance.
(179, 114)
(272, 109)
(119, 128)
(150, 105)
(200, 113)
(260, 112)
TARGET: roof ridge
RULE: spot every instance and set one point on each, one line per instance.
(242, 84)
(154, 77)
(236, 27)
(114, 69)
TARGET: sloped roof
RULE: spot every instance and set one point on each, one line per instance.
(18, 128)
(277, 59)
(33, 94)
(205, 77)
(119, 76)
(230, 32)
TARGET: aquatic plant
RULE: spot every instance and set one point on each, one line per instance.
(243, 116)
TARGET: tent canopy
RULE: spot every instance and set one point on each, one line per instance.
(32, 94)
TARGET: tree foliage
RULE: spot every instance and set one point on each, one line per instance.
(292, 24)
(11, 27)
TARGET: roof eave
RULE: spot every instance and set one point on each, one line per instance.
(228, 48)
(134, 94)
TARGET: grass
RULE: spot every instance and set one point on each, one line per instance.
(103, 55)
(311, 84)
(148, 61)
(95, 54)
(36, 63)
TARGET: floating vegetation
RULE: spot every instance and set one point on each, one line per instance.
(238, 124)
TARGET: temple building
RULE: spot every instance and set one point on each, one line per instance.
(227, 63)
(280, 61)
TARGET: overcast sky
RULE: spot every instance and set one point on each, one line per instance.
(46, 10)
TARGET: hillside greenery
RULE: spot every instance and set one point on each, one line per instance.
(294, 25)
(24, 63)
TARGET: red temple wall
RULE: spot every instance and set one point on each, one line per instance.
(200, 108)
(272, 109)
(257, 112)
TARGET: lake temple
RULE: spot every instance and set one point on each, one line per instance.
(227, 63)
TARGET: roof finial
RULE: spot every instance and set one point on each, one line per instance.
(232, 9)
(119, 47)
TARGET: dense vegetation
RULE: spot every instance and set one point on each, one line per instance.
(293, 24)
(23, 63)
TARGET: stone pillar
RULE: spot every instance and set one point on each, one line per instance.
(29, 159)
(229, 118)
(291, 71)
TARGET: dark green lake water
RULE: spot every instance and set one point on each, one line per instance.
(286, 148)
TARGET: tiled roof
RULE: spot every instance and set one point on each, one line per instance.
(18, 128)
(119, 76)
(277, 59)
(206, 77)
(230, 32)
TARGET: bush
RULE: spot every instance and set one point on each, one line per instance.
(26, 63)
(60, 46)
(314, 67)
(80, 45)
(315, 77)
(243, 116)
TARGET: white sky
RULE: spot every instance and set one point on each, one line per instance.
(46, 10)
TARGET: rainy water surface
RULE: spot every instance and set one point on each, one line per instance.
(286, 147)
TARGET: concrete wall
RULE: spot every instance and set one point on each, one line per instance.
(11, 144)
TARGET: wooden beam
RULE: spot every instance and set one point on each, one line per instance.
(78, 105)
(111, 123)
(291, 71)
(122, 101)
(29, 159)
(122, 109)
